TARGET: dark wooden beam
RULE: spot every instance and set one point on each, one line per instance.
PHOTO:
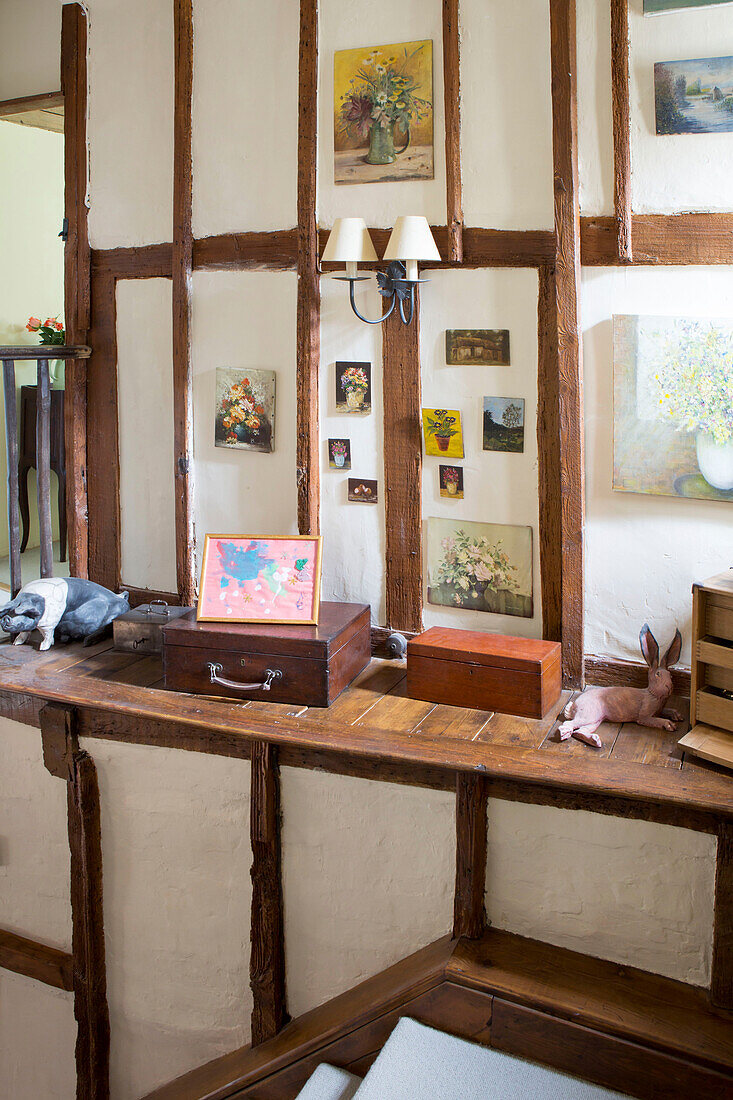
(309, 285)
(402, 470)
(273, 251)
(611, 672)
(36, 960)
(721, 985)
(77, 278)
(469, 913)
(182, 268)
(150, 261)
(563, 65)
(102, 431)
(267, 961)
(548, 451)
(681, 239)
(452, 96)
(621, 114)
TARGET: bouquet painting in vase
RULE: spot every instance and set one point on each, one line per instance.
(354, 387)
(245, 409)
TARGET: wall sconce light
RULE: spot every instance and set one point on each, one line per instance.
(410, 242)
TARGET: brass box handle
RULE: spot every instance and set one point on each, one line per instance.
(271, 674)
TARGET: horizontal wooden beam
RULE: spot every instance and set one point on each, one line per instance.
(608, 672)
(36, 960)
(275, 251)
(481, 248)
(682, 239)
(24, 103)
(149, 261)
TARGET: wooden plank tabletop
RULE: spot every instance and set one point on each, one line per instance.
(374, 720)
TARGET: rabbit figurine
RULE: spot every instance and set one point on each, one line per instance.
(625, 704)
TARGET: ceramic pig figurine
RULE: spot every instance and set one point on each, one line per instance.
(67, 606)
(625, 704)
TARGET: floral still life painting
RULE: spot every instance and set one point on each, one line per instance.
(694, 97)
(451, 481)
(339, 454)
(362, 491)
(354, 387)
(673, 406)
(245, 409)
(483, 346)
(443, 434)
(254, 579)
(480, 566)
(657, 7)
(383, 113)
(504, 424)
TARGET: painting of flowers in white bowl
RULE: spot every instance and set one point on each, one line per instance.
(245, 409)
(480, 566)
(673, 406)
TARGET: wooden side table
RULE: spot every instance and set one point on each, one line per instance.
(27, 458)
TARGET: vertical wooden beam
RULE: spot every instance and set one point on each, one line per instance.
(182, 267)
(11, 451)
(469, 913)
(570, 356)
(77, 278)
(621, 111)
(267, 961)
(309, 286)
(452, 97)
(64, 759)
(548, 451)
(103, 454)
(721, 985)
(43, 467)
(402, 470)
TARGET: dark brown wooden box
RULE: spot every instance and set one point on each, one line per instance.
(315, 663)
(484, 671)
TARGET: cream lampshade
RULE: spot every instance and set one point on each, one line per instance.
(411, 240)
(349, 242)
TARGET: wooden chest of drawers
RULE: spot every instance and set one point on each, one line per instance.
(711, 688)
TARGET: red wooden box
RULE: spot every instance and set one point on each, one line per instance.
(309, 665)
(484, 671)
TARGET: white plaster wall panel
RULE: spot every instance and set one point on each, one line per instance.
(643, 552)
(245, 126)
(37, 1039)
(145, 395)
(177, 897)
(498, 488)
(634, 892)
(506, 120)
(349, 24)
(595, 127)
(130, 122)
(30, 31)
(368, 872)
(244, 319)
(354, 534)
(684, 171)
(34, 846)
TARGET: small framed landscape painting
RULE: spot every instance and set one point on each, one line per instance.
(339, 454)
(480, 566)
(483, 346)
(658, 7)
(383, 113)
(245, 409)
(694, 97)
(354, 387)
(504, 424)
(451, 481)
(362, 491)
(256, 579)
(673, 406)
(442, 431)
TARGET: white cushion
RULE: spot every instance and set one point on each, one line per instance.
(329, 1083)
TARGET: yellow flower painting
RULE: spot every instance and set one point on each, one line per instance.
(383, 113)
(443, 433)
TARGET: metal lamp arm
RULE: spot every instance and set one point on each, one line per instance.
(367, 320)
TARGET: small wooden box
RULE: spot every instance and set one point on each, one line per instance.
(466, 668)
(306, 665)
(140, 630)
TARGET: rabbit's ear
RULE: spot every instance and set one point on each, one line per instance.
(649, 647)
(672, 656)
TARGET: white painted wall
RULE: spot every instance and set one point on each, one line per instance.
(30, 39)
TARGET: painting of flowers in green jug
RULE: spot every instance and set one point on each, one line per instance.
(383, 113)
(673, 406)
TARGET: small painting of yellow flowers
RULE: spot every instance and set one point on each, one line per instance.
(673, 406)
(245, 409)
(383, 113)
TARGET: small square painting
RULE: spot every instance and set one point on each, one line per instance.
(383, 113)
(245, 409)
(673, 406)
(254, 579)
(362, 491)
(339, 454)
(451, 482)
(504, 424)
(442, 431)
(354, 387)
(480, 566)
(482, 346)
(694, 97)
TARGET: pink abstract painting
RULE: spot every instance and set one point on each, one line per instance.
(254, 579)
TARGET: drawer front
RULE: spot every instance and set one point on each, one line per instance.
(300, 680)
(719, 620)
(714, 710)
